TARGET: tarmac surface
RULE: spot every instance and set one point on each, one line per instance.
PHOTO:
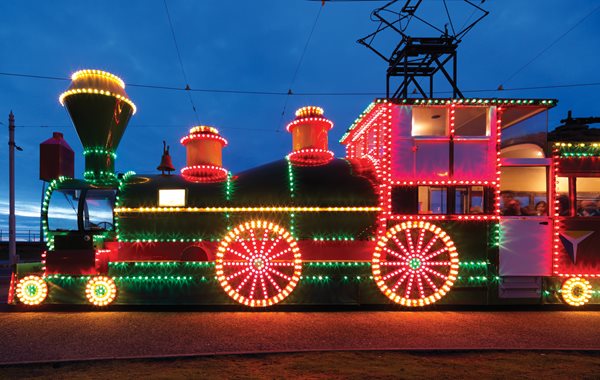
(68, 336)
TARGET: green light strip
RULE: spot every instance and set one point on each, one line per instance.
(323, 277)
(123, 181)
(292, 190)
(44, 214)
(99, 150)
(579, 154)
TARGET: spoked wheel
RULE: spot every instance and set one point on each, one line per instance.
(576, 291)
(258, 263)
(415, 263)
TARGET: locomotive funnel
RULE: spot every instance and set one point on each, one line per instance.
(100, 110)
(204, 157)
(309, 137)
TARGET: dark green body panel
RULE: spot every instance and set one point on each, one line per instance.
(276, 184)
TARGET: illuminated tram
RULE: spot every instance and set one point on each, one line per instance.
(445, 201)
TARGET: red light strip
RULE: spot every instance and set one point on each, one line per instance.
(499, 111)
(446, 183)
(204, 173)
(384, 174)
(452, 118)
(556, 226)
(310, 157)
(557, 223)
(203, 136)
(327, 122)
(443, 217)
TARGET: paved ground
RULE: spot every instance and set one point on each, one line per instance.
(46, 336)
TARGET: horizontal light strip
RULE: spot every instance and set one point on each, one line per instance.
(99, 73)
(444, 217)
(95, 91)
(248, 209)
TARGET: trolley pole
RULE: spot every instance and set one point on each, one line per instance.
(12, 244)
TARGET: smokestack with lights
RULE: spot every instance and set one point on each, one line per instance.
(309, 137)
(204, 157)
(100, 110)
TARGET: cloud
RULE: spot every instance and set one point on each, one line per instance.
(33, 210)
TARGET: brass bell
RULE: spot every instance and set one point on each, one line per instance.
(166, 165)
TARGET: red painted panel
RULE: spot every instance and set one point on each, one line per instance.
(176, 251)
(587, 166)
(161, 251)
(336, 250)
(71, 261)
(578, 247)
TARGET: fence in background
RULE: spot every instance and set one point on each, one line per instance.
(22, 235)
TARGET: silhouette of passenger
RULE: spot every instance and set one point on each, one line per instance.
(541, 208)
(513, 208)
(563, 205)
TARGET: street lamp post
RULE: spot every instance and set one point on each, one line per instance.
(12, 241)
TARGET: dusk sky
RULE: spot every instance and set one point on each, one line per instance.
(256, 46)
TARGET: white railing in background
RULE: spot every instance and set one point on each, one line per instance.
(22, 235)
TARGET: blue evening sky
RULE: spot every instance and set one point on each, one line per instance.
(256, 46)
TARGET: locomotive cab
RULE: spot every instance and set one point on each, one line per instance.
(76, 219)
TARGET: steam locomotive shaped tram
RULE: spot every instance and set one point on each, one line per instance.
(445, 201)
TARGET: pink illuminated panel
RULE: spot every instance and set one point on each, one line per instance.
(474, 159)
(432, 159)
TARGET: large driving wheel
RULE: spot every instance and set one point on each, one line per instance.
(258, 263)
(415, 263)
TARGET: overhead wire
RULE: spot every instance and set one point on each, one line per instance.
(297, 70)
(185, 78)
(549, 46)
(139, 126)
(311, 93)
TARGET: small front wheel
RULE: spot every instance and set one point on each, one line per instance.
(101, 290)
(576, 291)
(32, 290)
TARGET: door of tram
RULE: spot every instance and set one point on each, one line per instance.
(526, 227)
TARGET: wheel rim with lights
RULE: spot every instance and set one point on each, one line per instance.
(258, 263)
(101, 290)
(32, 290)
(415, 263)
(576, 291)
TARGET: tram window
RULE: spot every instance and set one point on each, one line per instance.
(521, 191)
(562, 196)
(429, 121)
(471, 121)
(404, 200)
(468, 200)
(62, 210)
(98, 210)
(588, 196)
(432, 200)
